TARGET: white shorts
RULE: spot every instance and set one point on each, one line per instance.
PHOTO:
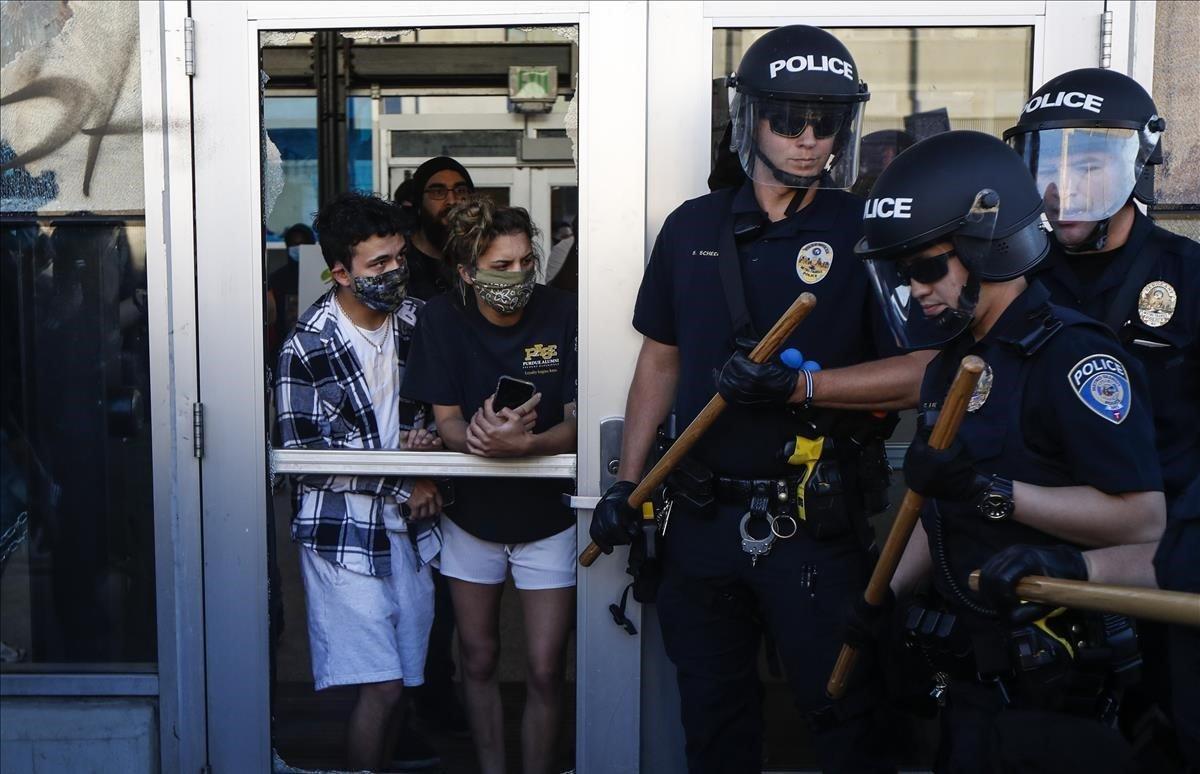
(548, 563)
(365, 629)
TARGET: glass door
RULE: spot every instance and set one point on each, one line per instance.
(243, 170)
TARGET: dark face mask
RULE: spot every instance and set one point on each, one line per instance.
(384, 292)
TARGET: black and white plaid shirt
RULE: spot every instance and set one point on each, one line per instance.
(322, 401)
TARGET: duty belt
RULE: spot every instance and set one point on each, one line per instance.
(770, 500)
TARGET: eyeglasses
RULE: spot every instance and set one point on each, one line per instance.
(792, 120)
(439, 192)
(926, 269)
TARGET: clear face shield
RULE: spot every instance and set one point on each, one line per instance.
(928, 295)
(796, 144)
(1086, 174)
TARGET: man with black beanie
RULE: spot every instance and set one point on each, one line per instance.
(436, 186)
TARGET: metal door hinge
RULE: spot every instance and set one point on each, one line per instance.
(198, 430)
(1106, 37)
(189, 46)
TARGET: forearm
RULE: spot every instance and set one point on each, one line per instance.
(914, 563)
(650, 397)
(559, 439)
(453, 433)
(1131, 565)
(1088, 517)
(889, 384)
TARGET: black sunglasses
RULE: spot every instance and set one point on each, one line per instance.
(926, 269)
(787, 121)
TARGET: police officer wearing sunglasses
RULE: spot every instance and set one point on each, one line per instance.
(1056, 450)
(767, 530)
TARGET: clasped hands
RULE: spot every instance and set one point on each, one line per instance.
(504, 433)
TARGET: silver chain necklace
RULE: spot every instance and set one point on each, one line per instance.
(377, 347)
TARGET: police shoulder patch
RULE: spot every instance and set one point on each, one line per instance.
(1101, 383)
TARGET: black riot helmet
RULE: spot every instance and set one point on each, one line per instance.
(1090, 138)
(966, 188)
(797, 111)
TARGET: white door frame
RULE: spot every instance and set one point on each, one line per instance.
(227, 136)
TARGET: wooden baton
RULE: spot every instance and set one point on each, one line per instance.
(761, 353)
(944, 431)
(1171, 607)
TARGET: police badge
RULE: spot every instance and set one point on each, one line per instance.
(1102, 384)
(1156, 303)
(982, 390)
(813, 262)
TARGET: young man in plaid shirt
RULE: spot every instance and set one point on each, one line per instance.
(365, 541)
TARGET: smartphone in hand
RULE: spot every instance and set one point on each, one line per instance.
(512, 392)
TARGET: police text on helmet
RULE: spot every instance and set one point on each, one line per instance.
(809, 62)
(887, 207)
(1071, 99)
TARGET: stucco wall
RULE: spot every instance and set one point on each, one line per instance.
(1177, 95)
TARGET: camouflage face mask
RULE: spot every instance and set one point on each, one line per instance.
(505, 291)
(384, 292)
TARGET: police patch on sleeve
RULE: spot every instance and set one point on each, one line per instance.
(1102, 384)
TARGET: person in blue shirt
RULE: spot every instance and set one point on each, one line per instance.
(770, 534)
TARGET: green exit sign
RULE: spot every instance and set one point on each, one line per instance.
(532, 84)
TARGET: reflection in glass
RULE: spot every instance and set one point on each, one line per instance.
(76, 507)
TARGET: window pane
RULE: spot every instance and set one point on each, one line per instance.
(358, 140)
(76, 505)
(291, 124)
(76, 500)
(455, 142)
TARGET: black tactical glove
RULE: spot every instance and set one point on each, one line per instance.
(945, 474)
(614, 523)
(743, 381)
(866, 623)
(999, 576)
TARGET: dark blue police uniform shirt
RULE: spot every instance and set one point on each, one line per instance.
(1170, 353)
(682, 303)
(1039, 423)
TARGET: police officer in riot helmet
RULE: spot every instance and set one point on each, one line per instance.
(1091, 138)
(1056, 449)
(767, 530)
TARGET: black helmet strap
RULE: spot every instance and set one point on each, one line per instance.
(1096, 241)
(787, 178)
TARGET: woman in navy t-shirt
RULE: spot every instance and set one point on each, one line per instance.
(498, 323)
